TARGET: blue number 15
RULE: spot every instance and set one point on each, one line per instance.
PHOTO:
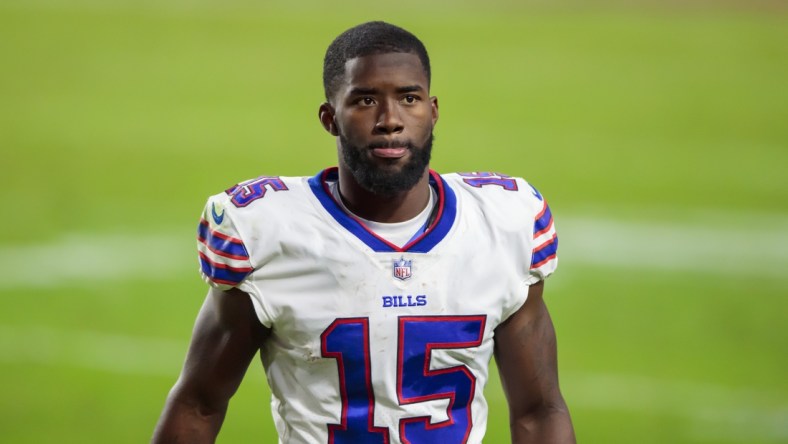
(347, 341)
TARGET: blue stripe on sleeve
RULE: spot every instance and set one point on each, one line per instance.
(543, 222)
(226, 246)
(221, 275)
(545, 252)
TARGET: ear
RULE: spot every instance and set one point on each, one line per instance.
(326, 115)
(434, 104)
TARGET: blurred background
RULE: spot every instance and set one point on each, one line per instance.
(657, 130)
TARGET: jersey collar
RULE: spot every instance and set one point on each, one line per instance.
(438, 229)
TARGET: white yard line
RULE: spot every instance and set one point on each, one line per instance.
(759, 250)
(756, 250)
(88, 259)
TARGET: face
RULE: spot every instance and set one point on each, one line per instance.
(383, 118)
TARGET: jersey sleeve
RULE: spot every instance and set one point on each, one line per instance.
(224, 259)
(544, 255)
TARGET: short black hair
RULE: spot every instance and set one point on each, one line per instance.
(368, 39)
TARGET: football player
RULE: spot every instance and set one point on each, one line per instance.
(377, 291)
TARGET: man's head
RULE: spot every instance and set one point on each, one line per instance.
(368, 39)
(377, 78)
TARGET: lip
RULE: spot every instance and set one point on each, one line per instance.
(390, 152)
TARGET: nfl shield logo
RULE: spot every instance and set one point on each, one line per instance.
(402, 269)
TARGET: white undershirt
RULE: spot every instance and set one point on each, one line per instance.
(398, 233)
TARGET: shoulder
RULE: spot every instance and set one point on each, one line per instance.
(254, 208)
(236, 226)
(514, 206)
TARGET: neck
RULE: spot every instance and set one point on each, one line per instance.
(387, 209)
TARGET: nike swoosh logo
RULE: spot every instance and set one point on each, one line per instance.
(218, 218)
(535, 193)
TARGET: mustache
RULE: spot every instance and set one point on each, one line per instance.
(392, 144)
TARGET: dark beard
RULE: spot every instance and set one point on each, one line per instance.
(377, 180)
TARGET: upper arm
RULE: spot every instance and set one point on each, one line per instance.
(525, 351)
(226, 336)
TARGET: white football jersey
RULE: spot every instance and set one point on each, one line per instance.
(371, 342)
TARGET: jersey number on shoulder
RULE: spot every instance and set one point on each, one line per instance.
(479, 180)
(347, 341)
(247, 192)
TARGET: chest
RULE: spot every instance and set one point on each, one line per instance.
(319, 279)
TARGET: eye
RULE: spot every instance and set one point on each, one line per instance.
(410, 99)
(367, 101)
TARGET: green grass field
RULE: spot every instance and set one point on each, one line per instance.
(658, 134)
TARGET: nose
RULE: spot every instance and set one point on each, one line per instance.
(389, 120)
